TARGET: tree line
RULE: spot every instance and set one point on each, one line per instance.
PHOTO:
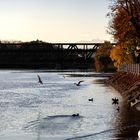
(38, 54)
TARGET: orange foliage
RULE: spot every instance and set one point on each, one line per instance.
(119, 56)
(125, 25)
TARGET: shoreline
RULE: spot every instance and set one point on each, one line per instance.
(128, 85)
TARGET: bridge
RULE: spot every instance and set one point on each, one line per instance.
(84, 50)
(40, 54)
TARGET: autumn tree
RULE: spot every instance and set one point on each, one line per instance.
(120, 56)
(103, 61)
(125, 25)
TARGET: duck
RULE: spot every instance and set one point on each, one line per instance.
(118, 108)
(75, 115)
(90, 99)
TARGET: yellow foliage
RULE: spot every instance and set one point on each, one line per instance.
(119, 56)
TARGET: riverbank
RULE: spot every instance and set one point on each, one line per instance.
(129, 87)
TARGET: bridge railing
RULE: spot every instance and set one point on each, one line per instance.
(130, 68)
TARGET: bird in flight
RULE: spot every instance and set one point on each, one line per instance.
(39, 80)
(78, 84)
(115, 101)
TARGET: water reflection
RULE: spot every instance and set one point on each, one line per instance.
(127, 123)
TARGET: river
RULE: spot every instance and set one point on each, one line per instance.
(33, 111)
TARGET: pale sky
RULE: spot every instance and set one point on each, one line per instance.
(54, 20)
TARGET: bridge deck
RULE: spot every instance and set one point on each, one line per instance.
(47, 53)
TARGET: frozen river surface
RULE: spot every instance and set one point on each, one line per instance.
(33, 111)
